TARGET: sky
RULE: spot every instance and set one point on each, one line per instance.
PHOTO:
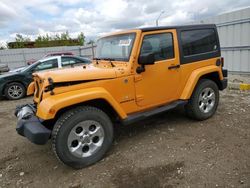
(97, 17)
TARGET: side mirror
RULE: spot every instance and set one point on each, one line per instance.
(148, 59)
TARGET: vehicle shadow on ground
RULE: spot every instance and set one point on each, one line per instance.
(156, 176)
(159, 175)
(172, 118)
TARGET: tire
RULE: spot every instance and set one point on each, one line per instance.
(204, 100)
(80, 131)
(14, 91)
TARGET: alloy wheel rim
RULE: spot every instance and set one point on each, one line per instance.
(206, 100)
(85, 139)
(15, 91)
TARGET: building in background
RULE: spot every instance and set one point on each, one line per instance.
(234, 33)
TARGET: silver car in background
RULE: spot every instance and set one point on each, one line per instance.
(4, 68)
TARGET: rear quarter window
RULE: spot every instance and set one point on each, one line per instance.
(198, 41)
(198, 44)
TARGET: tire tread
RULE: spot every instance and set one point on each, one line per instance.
(60, 122)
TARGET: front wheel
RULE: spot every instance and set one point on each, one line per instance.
(14, 91)
(204, 100)
(82, 136)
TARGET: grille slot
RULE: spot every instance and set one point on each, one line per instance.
(37, 89)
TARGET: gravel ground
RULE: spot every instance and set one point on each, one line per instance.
(168, 150)
(236, 78)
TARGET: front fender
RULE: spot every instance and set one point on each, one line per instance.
(194, 78)
(49, 107)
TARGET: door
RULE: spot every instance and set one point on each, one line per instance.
(160, 81)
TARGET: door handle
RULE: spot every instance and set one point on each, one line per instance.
(174, 67)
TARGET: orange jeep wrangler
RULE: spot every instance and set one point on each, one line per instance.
(136, 74)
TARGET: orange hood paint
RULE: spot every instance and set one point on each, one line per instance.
(88, 72)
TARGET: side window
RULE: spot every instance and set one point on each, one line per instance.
(198, 41)
(161, 45)
(67, 61)
(50, 64)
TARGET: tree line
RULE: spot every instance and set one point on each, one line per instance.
(46, 40)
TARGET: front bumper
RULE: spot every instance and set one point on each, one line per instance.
(29, 126)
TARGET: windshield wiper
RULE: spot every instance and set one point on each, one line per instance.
(106, 59)
(110, 61)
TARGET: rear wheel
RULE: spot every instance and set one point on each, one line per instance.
(82, 136)
(14, 91)
(204, 100)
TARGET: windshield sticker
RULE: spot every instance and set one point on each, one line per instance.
(125, 42)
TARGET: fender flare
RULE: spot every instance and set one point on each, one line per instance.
(194, 78)
(49, 107)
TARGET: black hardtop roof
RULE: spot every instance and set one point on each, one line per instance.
(183, 27)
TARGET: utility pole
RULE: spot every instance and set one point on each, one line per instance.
(156, 21)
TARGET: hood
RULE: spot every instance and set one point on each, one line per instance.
(17, 69)
(80, 73)
(7, 75)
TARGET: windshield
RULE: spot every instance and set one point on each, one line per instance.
(115, 47)
(27, 68)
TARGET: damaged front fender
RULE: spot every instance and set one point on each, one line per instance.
(49, 107)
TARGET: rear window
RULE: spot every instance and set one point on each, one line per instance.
(198, 41)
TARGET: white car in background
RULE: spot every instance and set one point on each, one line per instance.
(59, 62)
(55, 62)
